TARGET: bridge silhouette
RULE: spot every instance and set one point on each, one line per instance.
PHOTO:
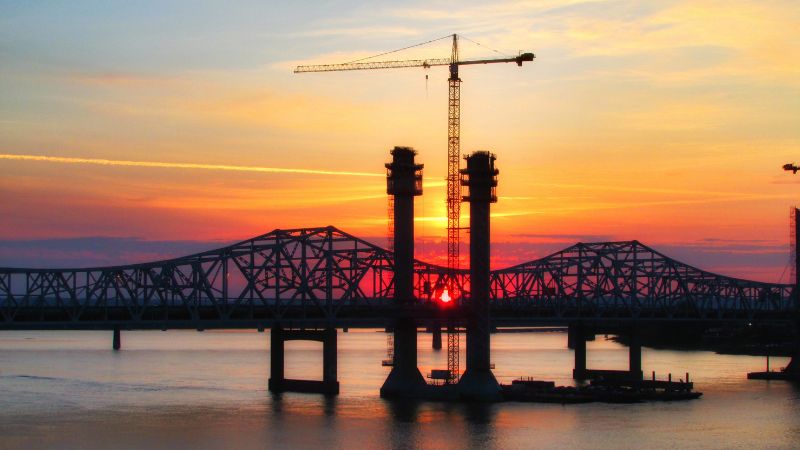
(306, 283)
(325, 277)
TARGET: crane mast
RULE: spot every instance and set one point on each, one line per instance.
(453, 164)
(453, 201)
(453, 159)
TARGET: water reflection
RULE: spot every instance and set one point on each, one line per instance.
(277, 403)
(171, 393)
(403, 411)
(441, 424)
(329, 405)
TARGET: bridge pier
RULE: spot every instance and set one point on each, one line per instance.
(635, 353)
(576, 340)
(793, 367)
(404, 182)
(117, 343)
(405, 379)
(478, 382)
(792, 370)
(279, 383)
(577, 337)
(436, 337)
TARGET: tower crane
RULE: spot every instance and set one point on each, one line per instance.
(453, 144)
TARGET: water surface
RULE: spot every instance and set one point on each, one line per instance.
(186, 389)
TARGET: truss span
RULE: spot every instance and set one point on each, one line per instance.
(630, 280)
(324, 275)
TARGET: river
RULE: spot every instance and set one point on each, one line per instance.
(188, 389)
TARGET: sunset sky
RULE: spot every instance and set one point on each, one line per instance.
(663, 121)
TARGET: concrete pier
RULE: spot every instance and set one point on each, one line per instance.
(578, 335)
(404, 182)
(436, 337)
(794, 364)
(790, 372)
(279, 383)
(634, 353)
(793, 368)
(117, 344)
(576, 340)
(478, 382)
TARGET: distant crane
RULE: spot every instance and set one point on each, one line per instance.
(453, 146)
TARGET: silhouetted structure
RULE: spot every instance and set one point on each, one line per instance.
(329, 384)
(305, 283)
(579, 333)
(404, 182)
(453, 123)
(117, 344)
(478, 381)
(313, 277)
(792, 370)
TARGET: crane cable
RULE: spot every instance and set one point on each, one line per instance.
(487, 48)
(400, 49)
(429, 42)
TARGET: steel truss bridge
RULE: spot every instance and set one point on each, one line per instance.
(323, 277)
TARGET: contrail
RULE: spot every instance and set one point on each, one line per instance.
(171, 165)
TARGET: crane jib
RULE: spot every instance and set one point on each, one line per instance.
(408, 63)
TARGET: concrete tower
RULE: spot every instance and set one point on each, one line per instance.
(793, 368)
(404, 181)
(478, 381)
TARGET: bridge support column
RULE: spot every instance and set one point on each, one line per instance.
(635, 354)
(405, 379)
(478, 382)
(436, 339)
(793, 368)
(330, 361)
(276, 358)
(794, 364)
(579, 334)
(117, 344)
(404, 182)
(279, 383)
(576, 340)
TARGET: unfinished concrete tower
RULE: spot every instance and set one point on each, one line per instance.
(404, 182)
(793, 368)
(480, 176)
